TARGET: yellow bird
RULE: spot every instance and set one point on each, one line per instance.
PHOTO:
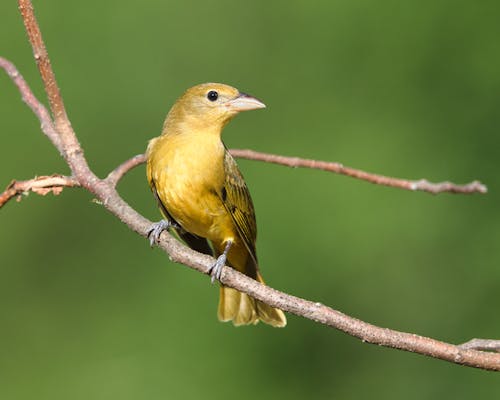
(203, 196)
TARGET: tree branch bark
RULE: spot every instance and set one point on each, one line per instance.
(16, 188)
(36, 106)
(482, 344)
(104, 190)
(421, 185)
(39, 185)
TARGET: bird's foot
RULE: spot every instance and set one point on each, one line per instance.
(216, 269)
(156, 229)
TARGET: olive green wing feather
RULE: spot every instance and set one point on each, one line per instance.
(237, 201)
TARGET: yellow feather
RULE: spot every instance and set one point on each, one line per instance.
(198, 185)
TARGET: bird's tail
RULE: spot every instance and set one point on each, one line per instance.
(245, 310)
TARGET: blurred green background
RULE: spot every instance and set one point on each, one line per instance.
(408, 89)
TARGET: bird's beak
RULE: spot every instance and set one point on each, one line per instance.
(244, 102)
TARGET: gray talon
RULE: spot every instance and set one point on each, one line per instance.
(216, 269)
(156, 229)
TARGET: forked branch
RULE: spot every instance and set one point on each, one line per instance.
(421, 185)
(63, 137)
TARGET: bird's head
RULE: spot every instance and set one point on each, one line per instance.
(211, 105)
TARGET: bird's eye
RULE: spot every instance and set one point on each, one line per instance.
(212, 95)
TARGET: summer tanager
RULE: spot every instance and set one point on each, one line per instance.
(203, 196)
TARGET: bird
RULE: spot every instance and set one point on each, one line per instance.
(202, 194)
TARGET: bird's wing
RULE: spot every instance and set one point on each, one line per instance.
(237, 201)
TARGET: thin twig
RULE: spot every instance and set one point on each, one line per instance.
(422, 184)
(40, 185)
(43, 61)
(106, 194)
(482, 344)
(68, 139)
(55, 183)
(36, 106)
(118, 173)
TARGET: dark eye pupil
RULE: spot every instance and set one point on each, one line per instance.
(212, 95)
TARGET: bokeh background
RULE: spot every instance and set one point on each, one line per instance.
(408, 89)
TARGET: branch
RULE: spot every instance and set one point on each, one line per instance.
(70, 147)
(422, 184)
(482, 344)
(55, 183)
(118, 173)
(40, 185)
(43, 61)
(36, 106)
(105, 192)
(330, 317)
(16, 188)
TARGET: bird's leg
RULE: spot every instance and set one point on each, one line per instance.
(216, 269)
(157, 228)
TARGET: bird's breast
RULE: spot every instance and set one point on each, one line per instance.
(188, 172)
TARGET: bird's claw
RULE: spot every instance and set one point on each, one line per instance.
(216, 269)
(156, 229)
